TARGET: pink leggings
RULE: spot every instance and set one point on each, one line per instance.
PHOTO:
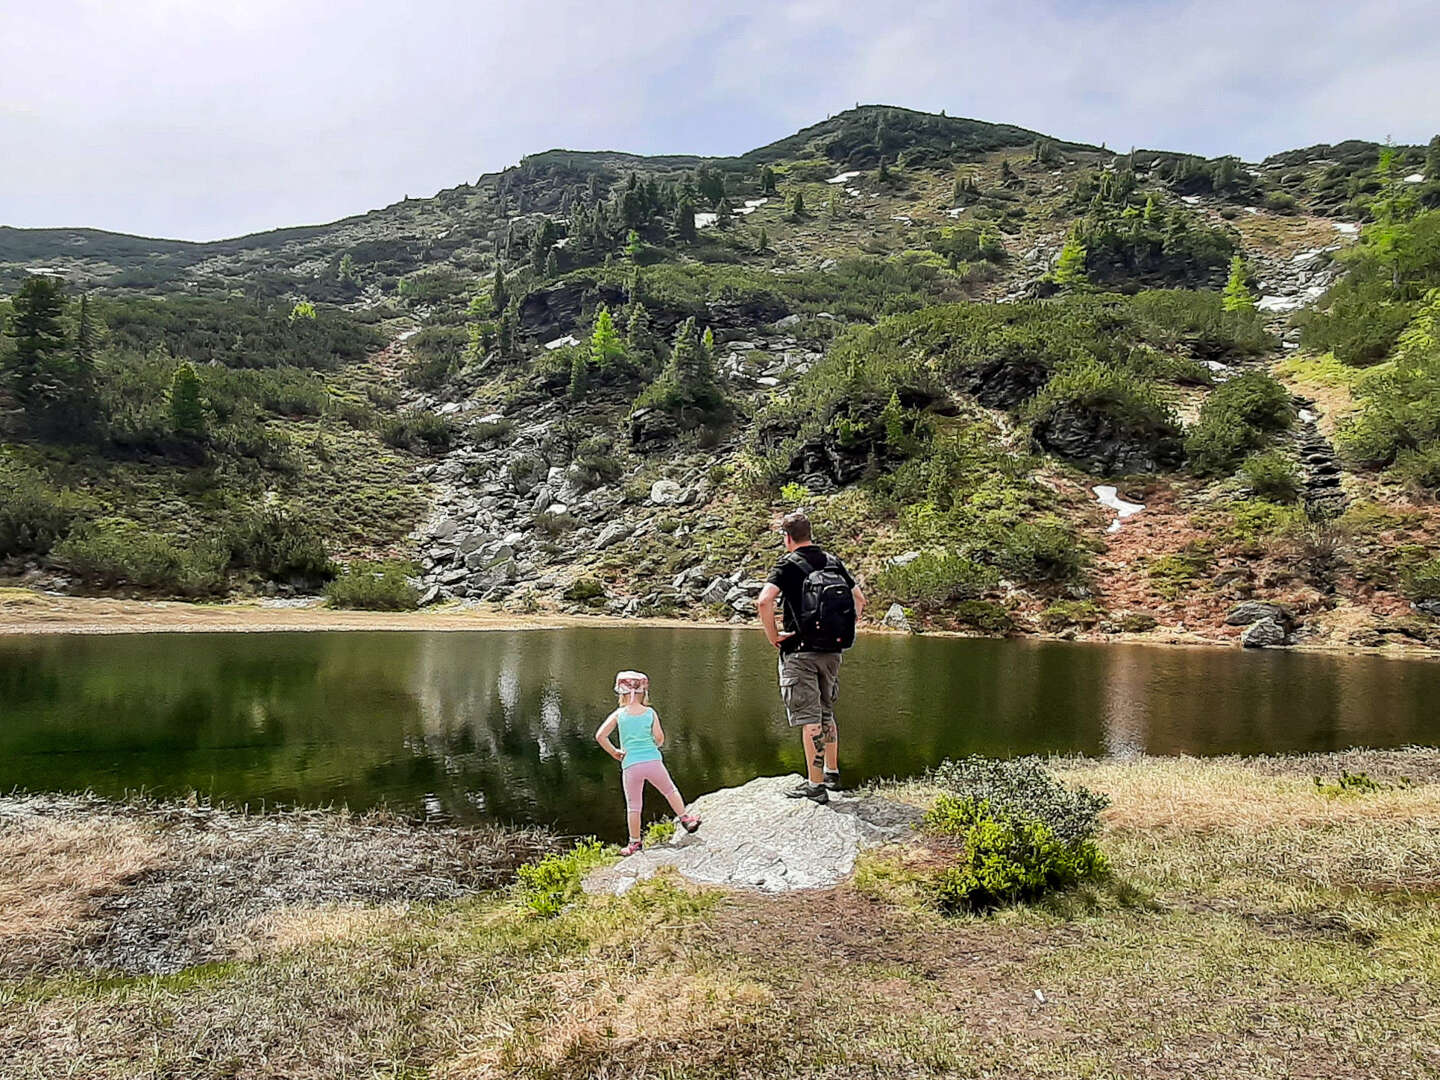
(634, 777)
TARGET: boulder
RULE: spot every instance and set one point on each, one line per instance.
(744, 605)
(1428, 607)
(612, 534)
(753, 837)
(715, 592)
(895, 619)
(1098, 440)
(1263, 634)
(444, 530)
(652, 428)
(666, 493)
(1253, 611)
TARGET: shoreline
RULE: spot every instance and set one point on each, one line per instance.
(26, 612)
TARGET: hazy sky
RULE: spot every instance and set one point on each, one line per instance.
(207, 118)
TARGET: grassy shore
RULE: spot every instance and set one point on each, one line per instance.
(1256, 925)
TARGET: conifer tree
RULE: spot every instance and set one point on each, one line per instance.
(1432, 160)
(1237, 295)
(767, 179)
(347, 268)
(552, 265)
(685, 221)
(883, 175)
(634, 248)
(578, 375)
(762, 241)
(606, 349)
(723, 214)
(637, 329)
(37, 364)
(499, 292)
(84, 352)
(797, 205)
(1007, 174)
(187, 411)
(1070, 269)
(505, 332)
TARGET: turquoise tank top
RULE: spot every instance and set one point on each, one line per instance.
(636, 739)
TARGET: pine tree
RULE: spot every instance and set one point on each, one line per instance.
(1237, 295)
(637, 329)
(37, 365)
(634, 248)
(762, 241)
(883, 175)
(767, 179)
(1007, 174)
(499, 292)
(797, 205)
(552, 264)
(578, 375)
(723, 214)
(957, 194)
(347, 269)
(1432, 160)
(1070, 269)
(187, 410)
(606, 349)
(685, 221)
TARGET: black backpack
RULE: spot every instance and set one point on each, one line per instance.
(827, 606)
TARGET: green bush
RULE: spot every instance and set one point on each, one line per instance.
(935, 580)
(1137, 622)
(1018, 834)
(1173, 575)
(584, 589)
(483, 431)
(546, 886)
(1271, 475)
(1419, 469)
(1238, 416)
(1421, 579)
(33, 515)
(279, 547)
(374, 586)
(982, 615)
(419, 431)
(113, 552)
(1067, 613)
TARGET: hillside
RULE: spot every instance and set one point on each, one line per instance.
(962, 346)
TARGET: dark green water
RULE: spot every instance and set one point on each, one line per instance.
(501, 724)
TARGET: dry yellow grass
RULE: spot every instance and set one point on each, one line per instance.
(54, 870)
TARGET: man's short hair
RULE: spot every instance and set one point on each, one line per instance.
(796, 526)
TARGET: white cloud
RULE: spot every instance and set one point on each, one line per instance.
(183, 117)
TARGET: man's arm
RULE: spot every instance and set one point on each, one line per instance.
(766, 605)
(859, 598)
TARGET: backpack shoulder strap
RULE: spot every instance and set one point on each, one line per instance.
(799, 560)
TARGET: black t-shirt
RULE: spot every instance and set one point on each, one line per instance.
(790, 579)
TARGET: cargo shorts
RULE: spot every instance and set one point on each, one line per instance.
(809, 684)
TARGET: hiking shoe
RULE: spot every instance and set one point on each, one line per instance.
(816, 793)
(632, 847)
(689, 822)
(832, 780)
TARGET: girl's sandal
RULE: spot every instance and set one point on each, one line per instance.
(632, 847)
(689, 822)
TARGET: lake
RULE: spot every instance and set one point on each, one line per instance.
(500, 724)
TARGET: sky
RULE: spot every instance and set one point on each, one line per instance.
(198, 120)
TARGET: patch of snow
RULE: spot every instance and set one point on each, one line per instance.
(408, 334)
(754, 204)
(855, 191)
(1278, 304)
(1216, 365)
(1415, 178)
(559, 342)
(1349, 228)
(1306, 256)
(904, 219)
(45, 271)
(1306, 416)
(1252, 209)
(1110, 496)
(705, 219)
(562, 242)
(955, 212)
(1190, 200)
(843, 177)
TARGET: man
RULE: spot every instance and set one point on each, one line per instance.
(822, 606)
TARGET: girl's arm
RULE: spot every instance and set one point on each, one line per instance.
(602, 736)
(656, 731)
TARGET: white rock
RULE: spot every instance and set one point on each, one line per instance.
(705, 219)
(1415, 178)
(560, 342)
(666, 493)
(904, 559)
(753, 837)
(895, 619)
(612, 534)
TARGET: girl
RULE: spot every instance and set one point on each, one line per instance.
(639, 753)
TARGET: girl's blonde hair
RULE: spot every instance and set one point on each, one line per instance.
(644, 697)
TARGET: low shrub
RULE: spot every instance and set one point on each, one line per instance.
(1237, 417)
(1067, 613)
(660, 832)
(484, 431)
(935, 580)
(374, 586)
(279, 547)
(1419, 469)
(1355, 783)
(1017, 834)
(584, 589)
(418, 431)
(1271, 475)
(113, 552)
(1421, 579)
(33, 515)
(982, 615)
(549, 884)
(1174, 574)
(1136, 622)
(555, 524)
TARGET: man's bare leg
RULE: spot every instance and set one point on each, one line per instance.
(814, 754)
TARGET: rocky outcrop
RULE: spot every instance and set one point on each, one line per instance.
(1264, 634)
(753, 837)
(1098, 441)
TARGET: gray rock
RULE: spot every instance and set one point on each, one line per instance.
(544, 495)
(431, 595)
(1252, 611)
(1428, 607)
(904, 560)
(895, 619)
(612, 534)
(445, 529)
(1262, 634)
(715, 592)
(744, 605)
(666, 493)
(473, 542)
(753, 837)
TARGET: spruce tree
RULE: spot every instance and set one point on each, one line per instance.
(606, 349)
(797, 205)
(347, 268)
(499, 292)
(634, 248)
(637, 329)
(578, 375)
(685, 221)
(1237, 295)
(883, 174)
(1070, 269)
(505, 332)
(187, 410)
(723, 214)
(37, 365)
(552, 264)
(762, 241)
(1007, 174)
(767, 179)
(84, 352)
